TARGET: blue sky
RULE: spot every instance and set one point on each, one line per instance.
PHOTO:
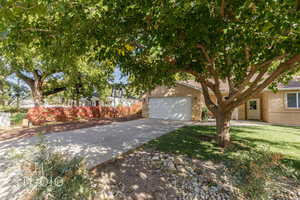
(119, 78)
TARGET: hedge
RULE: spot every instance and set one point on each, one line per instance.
(39, 115)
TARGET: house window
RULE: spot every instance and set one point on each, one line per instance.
(293, 100)
(253, 105)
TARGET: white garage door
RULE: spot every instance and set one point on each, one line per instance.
(172, 108)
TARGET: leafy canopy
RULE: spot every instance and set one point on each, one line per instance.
(187, 36)
(47, 37)
(153, 39)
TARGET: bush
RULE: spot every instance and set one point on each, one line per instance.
(16, 118)
(253, 171)
(204, 115)
(53, 176)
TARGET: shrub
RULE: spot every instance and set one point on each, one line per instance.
(253, 171)
(290, 169)
(16, 118)
(53, 176)
(204, 114)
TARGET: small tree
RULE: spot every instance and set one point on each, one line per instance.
(246, 45)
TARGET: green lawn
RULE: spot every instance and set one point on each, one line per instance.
(198, 142)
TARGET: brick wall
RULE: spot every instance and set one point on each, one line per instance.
(39, 115)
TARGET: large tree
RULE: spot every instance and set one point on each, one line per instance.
(246, 45)
(47, 76)
(43, 43)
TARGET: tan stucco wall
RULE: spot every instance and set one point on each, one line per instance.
(242, 112)
(265, 106)
(273, 105)
(275, 110)
(243, 115)
(177, 91)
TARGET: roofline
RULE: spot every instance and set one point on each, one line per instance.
(198, 89)
(295, 88)
(190, 86)
(201, 90)
(284, 89)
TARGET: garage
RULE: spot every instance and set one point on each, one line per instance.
(171, 108)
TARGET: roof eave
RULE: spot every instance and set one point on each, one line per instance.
(284, 89)
(190, 86)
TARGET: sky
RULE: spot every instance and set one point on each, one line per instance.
(119, 78)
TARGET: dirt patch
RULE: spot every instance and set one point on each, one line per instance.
(207, 138)
(134, 179)
(149, 175)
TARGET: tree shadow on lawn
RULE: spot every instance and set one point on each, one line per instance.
(198, 142)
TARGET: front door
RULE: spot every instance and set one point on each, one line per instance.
(253, 108)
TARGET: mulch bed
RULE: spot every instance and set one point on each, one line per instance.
(18, 133)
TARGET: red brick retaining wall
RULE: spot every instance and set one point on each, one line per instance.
(39, 115)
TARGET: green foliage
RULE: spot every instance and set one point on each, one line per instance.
(200, 140)
(38, 46)
(252, 165)
(166, 35)
(11, 109)
(12, 93)
(54, 176)
(17, 118)
(254, 171)
(152, 40)
(205, 114)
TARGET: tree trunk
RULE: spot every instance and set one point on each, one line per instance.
(37, 93)
(77, 101)
(223, 127)
(38, 98)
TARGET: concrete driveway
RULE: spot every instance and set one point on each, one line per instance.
(96, 144)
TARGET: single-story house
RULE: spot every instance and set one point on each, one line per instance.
(185, 101)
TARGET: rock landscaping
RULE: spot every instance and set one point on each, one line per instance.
(146, 174)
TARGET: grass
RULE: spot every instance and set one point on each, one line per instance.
(198, 142)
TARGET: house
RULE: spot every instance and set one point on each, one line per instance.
(119, 96)
(185, 101)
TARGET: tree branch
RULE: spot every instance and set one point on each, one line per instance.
(36, 74)
(26, 79)
(252, 91)
(211, 69)
(214, 87)
(210, 104)
(247, 53)
(222, 11)
(202, 48)
(54, 91)
(263, 67)
(36, 30)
